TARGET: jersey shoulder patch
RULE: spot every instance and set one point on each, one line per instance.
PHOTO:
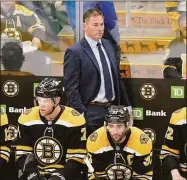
(139, 142)
(71, 118)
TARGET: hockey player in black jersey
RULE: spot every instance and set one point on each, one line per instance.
(54, 134)
(4, 138)
(174, 149)
(119, 151)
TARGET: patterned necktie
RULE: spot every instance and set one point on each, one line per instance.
(107, 77)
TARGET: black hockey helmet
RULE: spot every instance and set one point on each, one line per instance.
(49, 88)
(117, 114)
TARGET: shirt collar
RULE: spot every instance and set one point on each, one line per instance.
(92, 42)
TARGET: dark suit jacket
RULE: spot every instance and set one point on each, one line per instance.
(82, 76)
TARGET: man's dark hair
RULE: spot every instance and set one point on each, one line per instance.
(12, 56)
(92, 12)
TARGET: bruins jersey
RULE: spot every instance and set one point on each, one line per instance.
(20, 23)
(4, 148)
(175, 142)
(172, 59)
(54, 143)
(130, 159)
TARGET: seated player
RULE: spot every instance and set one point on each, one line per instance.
(54, 134)
(174, 149)
(4, 147)
(18, 22)
(119, 151)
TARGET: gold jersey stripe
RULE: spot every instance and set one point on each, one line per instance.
(4, 148)
(24, 148)
(71, 151)
(77, 159)
(4, 157)
(57, 166)
(150, 173)
(166, 66)
(174, 151)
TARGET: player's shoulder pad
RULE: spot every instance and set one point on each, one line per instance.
(24, 10)
(179, 117)
(4, 119)
(71, 118)
(98, 142)
(29, 115)
(139, 142)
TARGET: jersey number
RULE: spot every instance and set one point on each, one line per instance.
(169, 134)
(148, 160)
(83, 131)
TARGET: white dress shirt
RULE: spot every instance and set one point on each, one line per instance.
(101, 94)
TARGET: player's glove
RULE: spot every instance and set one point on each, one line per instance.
(32, 176)
(57, 176)
(30, 168)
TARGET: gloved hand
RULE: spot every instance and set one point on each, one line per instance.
(30, 168)
(32, 176)
(57, 176)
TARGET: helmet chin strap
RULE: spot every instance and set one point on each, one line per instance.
(53, 108)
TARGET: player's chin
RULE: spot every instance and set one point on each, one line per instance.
(116, 138)
(43, 112)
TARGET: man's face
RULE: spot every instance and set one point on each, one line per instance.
(117, 131)
(182, 26)
(94, 27)
(45, 105)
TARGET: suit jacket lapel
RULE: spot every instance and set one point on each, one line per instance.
(89, 51)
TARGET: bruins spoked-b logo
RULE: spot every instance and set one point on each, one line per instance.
(11, 88)
(48, 150)
(11, 133)
(148, 91)
(119, 171)
(150, 133)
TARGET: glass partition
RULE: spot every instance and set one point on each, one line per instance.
(145, 32)
(42, 29)
(47, 28)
